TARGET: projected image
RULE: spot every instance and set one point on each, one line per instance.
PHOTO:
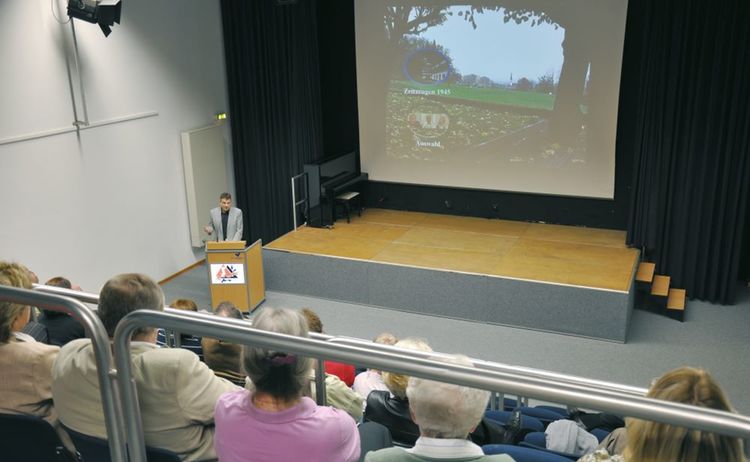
(446, 97)
(513, 95)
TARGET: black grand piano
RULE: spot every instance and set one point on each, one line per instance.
(327, 178)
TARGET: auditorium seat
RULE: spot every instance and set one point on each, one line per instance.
(93, 449)
(523, 454)
(31, 439)
(545, 416)
(528, 423)
(560, 410)
(509, 404)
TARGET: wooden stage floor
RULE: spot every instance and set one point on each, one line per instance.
(587, 257)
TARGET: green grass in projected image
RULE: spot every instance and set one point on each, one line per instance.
(500, 96)
(467, 125)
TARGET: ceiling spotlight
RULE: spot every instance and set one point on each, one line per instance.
(103, 12)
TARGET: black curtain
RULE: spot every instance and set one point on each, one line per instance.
(274, 105)
(692, 138)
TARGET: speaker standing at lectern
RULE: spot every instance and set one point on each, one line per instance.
(225, 220)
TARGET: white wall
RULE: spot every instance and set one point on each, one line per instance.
(111, 199)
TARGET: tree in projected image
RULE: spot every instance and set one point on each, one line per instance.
(582, 51)
(566, 123)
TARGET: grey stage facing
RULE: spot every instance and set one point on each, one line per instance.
(573, 310)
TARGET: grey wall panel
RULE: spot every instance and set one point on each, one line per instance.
(317, 276)
(441, 293)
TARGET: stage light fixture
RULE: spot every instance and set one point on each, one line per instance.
(105, 13)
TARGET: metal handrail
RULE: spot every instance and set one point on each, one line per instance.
(240, 332)
(320, 387)
(487, 365)
(74, 294)
(95, 330)
(295, 202)
(493, 366)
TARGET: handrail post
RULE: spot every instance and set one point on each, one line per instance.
(129, 392)
(295, 202)
(320, 382)
(294, 205)
(102, 355)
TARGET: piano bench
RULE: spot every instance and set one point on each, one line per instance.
(346, 200)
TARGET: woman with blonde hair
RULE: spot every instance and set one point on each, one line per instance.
(653, 441)
(648, 441)
(26, 381)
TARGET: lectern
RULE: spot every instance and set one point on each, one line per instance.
(235, 273)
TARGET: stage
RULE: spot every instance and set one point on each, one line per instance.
(570, 280)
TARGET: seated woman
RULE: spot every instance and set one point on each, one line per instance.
(371, 379)
(391, 409)
(338, 391)
(445, 413)
(274, 421)
(343, 371)
(26, 387)
(225, 358)
(648, 441)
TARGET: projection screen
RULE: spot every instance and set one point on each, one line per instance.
(508, 95)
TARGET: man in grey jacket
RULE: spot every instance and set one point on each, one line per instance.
(225, 220)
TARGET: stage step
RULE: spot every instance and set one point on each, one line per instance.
(676, 304)
(654, 294)
(645, 272)
(660, 286)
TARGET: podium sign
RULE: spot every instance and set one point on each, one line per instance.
(235, 273)
(222, 273)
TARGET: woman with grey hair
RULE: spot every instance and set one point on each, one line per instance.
(445, 414)
(274, 421)
(391, 408)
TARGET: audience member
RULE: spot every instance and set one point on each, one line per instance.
(26, 379)
(225, 358)
(338, 393)
(343, 371)
(187, 341)
(445, 415)
(648, 441)
(176, 392)
(391, 408)
(371, 379)
(274, 421)
(60, 327)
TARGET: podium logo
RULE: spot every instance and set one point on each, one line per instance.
(227, 274)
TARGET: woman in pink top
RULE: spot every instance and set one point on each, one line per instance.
(275, 422)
